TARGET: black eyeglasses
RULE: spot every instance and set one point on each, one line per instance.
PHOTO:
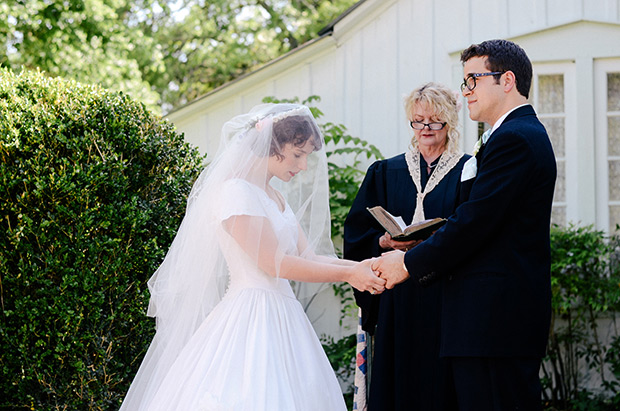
(418, 125)
(470, 80)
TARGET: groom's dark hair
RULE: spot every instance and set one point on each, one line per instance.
(504, 55)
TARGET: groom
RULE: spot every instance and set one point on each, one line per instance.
(493, 255)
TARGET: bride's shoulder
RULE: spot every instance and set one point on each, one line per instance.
(237, 186)
(238, 190)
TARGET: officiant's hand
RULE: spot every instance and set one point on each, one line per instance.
(386, 242)
(363, 278)
(390, 266)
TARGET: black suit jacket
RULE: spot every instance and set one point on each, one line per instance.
(494, 252)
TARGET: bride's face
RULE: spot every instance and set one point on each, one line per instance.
(294, 159)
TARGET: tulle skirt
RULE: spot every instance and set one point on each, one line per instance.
(256, 351)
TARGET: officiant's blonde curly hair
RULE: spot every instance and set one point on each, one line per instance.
(445, 103)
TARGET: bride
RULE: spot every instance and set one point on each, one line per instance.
(231, 335)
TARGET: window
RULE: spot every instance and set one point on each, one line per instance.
(613, 147)
(550, 107)
(551, 97)
(607, 112)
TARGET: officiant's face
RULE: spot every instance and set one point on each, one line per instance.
(428, 139)
(293, 159)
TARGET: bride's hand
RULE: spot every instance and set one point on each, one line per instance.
(363, 278)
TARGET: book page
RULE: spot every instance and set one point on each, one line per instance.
(399, 220)
(422, 224)
(391, 224)
(398, 229)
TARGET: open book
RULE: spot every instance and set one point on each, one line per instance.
(403, 232)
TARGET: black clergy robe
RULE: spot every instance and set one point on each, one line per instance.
(407, 373)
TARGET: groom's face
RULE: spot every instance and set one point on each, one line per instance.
(484, 101)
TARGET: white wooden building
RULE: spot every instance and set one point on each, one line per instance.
(364, 63)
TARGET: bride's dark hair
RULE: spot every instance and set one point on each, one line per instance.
(296, 130)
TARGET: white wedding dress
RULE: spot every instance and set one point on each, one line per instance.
(257, 349)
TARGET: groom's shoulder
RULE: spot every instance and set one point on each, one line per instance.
(525, 131)
(522, 122)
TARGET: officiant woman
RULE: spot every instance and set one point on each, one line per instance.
(421, 183)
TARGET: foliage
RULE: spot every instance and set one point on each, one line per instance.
(96, 42)
(585, 285)
(162, 52)
(93, 189)
(220, 40)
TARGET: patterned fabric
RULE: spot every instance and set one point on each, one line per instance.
(361, 367)
(447, 161)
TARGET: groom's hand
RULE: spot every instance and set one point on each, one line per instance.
(363, 278)
(390, 266)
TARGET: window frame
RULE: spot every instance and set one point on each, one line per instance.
(568, 70)
(601, 132)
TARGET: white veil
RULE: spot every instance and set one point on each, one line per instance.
(194, 276)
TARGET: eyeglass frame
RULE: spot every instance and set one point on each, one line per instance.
(475, 76)
(424, 125)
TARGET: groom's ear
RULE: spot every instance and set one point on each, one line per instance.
(509, 82)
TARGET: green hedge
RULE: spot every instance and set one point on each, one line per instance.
(92, 189)
(584, 342)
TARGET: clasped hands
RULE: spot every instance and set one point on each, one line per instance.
(385, 272)
(389, 268)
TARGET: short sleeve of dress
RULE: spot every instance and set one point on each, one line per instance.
(239, 197)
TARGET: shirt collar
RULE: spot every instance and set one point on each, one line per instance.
(502, 118)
